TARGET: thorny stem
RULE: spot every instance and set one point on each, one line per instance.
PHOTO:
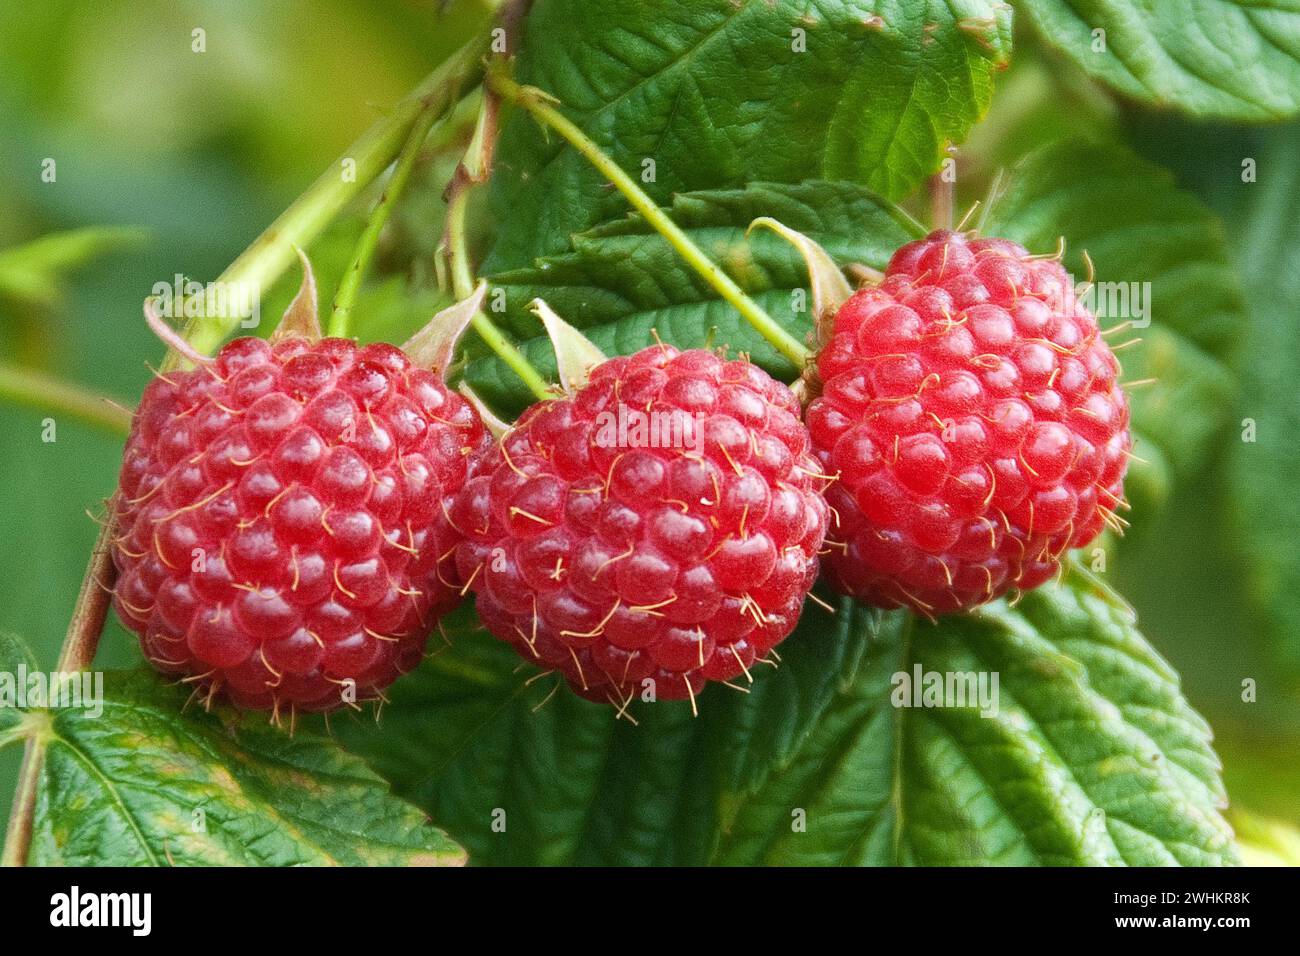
(365, 250)
(92, 602)
(272, 252)
(48, 394)
(536, 102)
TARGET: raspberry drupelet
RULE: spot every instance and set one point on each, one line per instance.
(616, 560)
(282, 535)
(971, 410)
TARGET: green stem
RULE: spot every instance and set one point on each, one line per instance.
(506, 351)
(365, 251)
(47, 394)
(462, 283)
(535, 101)
(263, 262)
(462, 278)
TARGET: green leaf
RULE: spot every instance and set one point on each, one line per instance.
(1217, 58)
(1092, 757)
(31, 272)
(724, 92)
(621, 280)
(1155, 246)
(1262, 472)
(141, 784)
(472, 736)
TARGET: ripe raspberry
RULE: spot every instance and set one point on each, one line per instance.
(600, 553)
(971, 410)
(282, 519)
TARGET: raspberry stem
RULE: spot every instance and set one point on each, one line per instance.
(538, 103)
(340, 316)
(476, 167)
(463, 283)
(271, 253)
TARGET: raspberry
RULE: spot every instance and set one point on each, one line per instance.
(603, 551)
(971, 410)
(282, 519)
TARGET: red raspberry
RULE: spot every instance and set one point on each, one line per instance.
(598, 552)
(972, 413)
(282, 519)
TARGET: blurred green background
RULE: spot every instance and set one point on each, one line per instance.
(197, 152)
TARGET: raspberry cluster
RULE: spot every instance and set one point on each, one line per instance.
(282, 532)
(971, 410)
(601, 550)
(294, 515)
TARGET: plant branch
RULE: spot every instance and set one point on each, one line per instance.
(463, 286)
(18, 836)
(78, 653)
(365, 249)
(474, 169)
(263, 262)
(462, 276)
(48, 394)
(538, 103)
(82, 639)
